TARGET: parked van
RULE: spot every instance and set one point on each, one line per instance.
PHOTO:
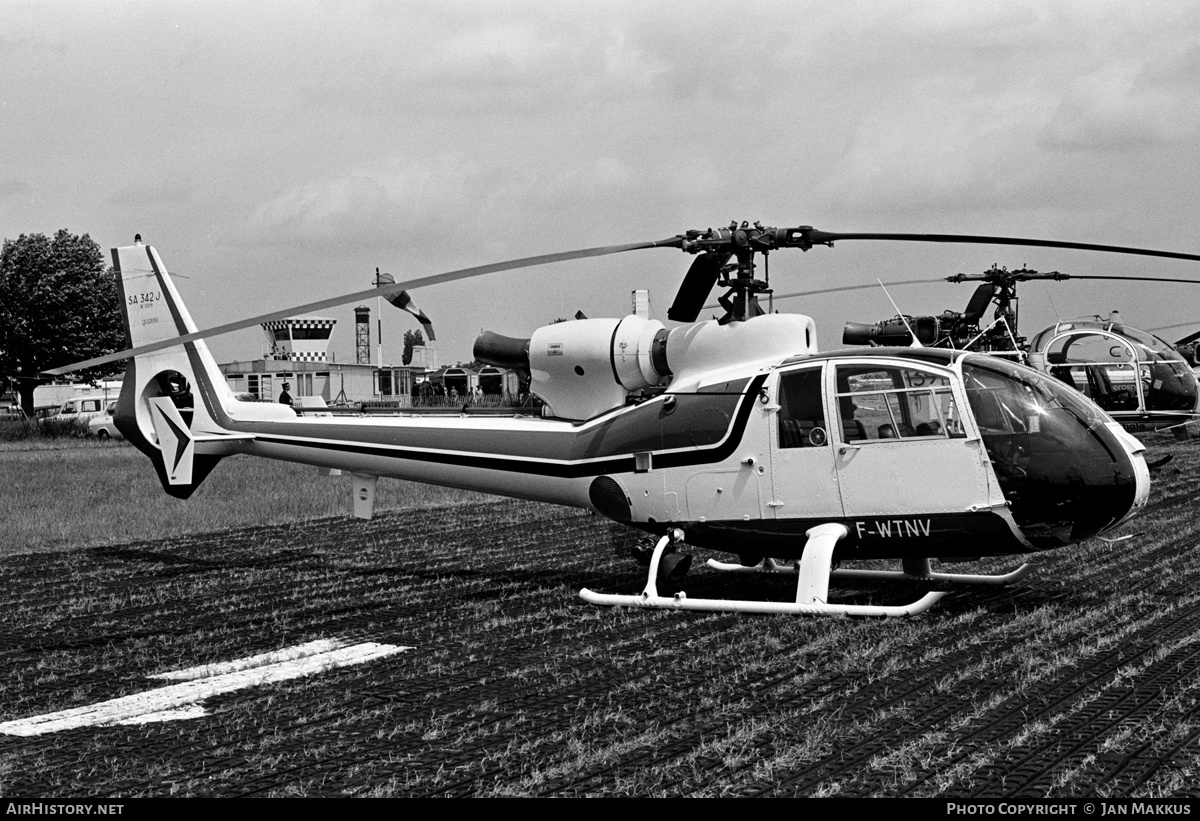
(80, 409)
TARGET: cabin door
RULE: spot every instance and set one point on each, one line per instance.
(803, 479)
(901, 450)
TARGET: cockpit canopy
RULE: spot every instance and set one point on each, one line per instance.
(1061, 468)
(1125, 371)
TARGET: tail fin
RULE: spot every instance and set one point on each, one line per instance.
(174, 404)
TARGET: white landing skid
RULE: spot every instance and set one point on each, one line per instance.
(812, 587)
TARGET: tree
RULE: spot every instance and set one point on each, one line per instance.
(412, 339)
(58, 305)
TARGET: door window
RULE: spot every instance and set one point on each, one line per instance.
(892, 402)
(801, 411)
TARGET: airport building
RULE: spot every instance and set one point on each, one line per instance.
(297, 353)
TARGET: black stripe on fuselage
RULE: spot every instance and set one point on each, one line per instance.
(563, 442)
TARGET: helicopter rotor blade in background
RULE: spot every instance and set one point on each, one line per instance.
(967, 277)
(1186, 339)
(849, 288)
(386, 290)
(697, 285)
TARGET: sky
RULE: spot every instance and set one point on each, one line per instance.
(278, 153)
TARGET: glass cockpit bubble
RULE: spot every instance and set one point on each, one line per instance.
(1064, 473)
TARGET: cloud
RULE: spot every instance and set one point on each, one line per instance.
(369, 201)
(12, 189)
(1111, 109)
(141, 195)
(448, 189)
(936, 148)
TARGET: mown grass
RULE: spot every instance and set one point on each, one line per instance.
(40, 433)
(1081, 680)
(57, 493)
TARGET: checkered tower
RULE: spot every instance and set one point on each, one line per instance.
(299, 339)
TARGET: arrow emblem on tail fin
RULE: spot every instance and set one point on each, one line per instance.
(174, 439)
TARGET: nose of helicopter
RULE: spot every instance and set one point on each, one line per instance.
(1071, 495)
(1135, 451)
(1067, 470)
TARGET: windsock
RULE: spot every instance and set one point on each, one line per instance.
(404, 302)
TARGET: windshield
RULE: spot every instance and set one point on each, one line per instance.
(1063, 472)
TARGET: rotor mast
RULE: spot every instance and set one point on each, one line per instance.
(741, 242)
(1004, 294)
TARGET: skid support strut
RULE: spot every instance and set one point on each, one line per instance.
(812, 586)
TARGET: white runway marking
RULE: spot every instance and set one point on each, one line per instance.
(182, 701)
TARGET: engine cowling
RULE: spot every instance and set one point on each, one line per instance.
(584, 367)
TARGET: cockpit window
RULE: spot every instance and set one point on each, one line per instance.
(891, 402)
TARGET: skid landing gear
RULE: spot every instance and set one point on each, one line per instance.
(812, 585)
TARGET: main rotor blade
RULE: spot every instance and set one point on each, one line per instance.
(434, 279)
(1133, 278)
(816, 237)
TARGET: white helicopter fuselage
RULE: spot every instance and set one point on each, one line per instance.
(755, 441)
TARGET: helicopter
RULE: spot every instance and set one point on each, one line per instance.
(1143, 382)
(734, 434)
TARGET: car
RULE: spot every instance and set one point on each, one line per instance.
(102, 427)
(80, 409)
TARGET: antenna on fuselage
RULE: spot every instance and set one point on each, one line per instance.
(916, 343)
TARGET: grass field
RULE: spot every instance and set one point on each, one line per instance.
(1082, 680)
(60, 493)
